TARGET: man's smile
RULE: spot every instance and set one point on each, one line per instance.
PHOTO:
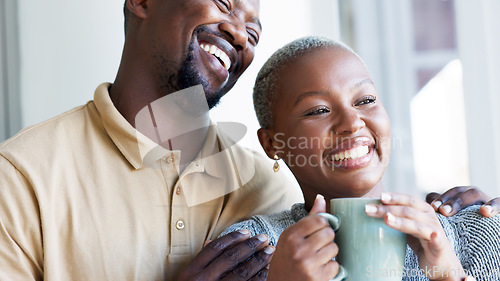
(218, 53)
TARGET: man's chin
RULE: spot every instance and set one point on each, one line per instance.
(213, 99)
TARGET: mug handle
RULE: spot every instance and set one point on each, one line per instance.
(335, 224)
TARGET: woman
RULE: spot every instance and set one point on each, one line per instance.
(320, 112)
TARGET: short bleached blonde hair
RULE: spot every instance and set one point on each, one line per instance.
(264, 91)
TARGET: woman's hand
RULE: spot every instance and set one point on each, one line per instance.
(425, 234)
(461, 197)
(305, 249)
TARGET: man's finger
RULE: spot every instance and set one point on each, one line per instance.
(232, 257)
(461, 200)
(439, 199)
(491, 208)
(216, 247)
(261, 275)
(253, 268)
(431, 197)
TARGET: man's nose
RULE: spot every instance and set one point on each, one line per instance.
(236, 30)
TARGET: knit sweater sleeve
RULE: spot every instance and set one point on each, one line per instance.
(477, 242)
(271, 225)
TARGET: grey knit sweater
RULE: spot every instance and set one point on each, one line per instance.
(475, 239)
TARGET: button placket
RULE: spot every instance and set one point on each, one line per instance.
(180, 219)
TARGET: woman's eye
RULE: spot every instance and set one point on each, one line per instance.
(318, 111)
(366, 100)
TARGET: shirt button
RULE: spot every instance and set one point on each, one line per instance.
(180, 225)
(178, 191)
(170, 160)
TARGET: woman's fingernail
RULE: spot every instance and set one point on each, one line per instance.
(437, 204)
(261, 237)
(446, 209)
(370, 209)
(244, 231)
(269, 250)
(488, 208)
(470, 278)
(385, 197)
(391, 218)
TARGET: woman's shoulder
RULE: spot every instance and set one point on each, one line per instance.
(476, 241)
(469, 222)
(272, 225)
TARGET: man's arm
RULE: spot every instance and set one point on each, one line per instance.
(21, 254)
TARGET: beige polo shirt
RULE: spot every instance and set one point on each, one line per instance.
(78, 202)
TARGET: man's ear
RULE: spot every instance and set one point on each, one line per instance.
(268, 141)
(138, 7)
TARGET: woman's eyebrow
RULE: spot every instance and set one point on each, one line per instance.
(361, 83)
(308, 94)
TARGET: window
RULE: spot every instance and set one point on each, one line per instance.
(10, 120)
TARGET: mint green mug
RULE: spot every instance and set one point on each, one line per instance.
(368, 248)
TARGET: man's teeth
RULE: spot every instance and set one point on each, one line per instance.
(212, 49)
(352, 153)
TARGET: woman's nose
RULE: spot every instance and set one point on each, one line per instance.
(347, 121)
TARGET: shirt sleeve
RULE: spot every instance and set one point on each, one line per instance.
(478, 243)
(21, 254)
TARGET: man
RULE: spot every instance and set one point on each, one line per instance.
(89, 195)
(78, 200)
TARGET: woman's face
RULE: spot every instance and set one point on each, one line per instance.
(329, 125)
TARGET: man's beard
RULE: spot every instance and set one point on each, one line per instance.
(187, 76)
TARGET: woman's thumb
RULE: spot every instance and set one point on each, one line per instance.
(319, 205)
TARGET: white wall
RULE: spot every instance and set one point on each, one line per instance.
(479, 43)
(67, 48)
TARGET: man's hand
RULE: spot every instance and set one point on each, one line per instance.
(461, 197)
(234, 256)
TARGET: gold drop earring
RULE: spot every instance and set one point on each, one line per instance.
(276, 166)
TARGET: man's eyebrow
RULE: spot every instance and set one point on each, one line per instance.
(257, 21)
(308, 94)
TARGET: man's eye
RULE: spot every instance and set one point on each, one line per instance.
(225, 5)
(367, 100)
(253, 37)
(318, 111)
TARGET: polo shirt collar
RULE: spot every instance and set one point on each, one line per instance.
(141, 151)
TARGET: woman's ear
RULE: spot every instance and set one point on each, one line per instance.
(268, 141)
(138, 7)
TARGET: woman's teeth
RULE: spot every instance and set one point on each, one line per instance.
(352, 153)
(212, 49)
